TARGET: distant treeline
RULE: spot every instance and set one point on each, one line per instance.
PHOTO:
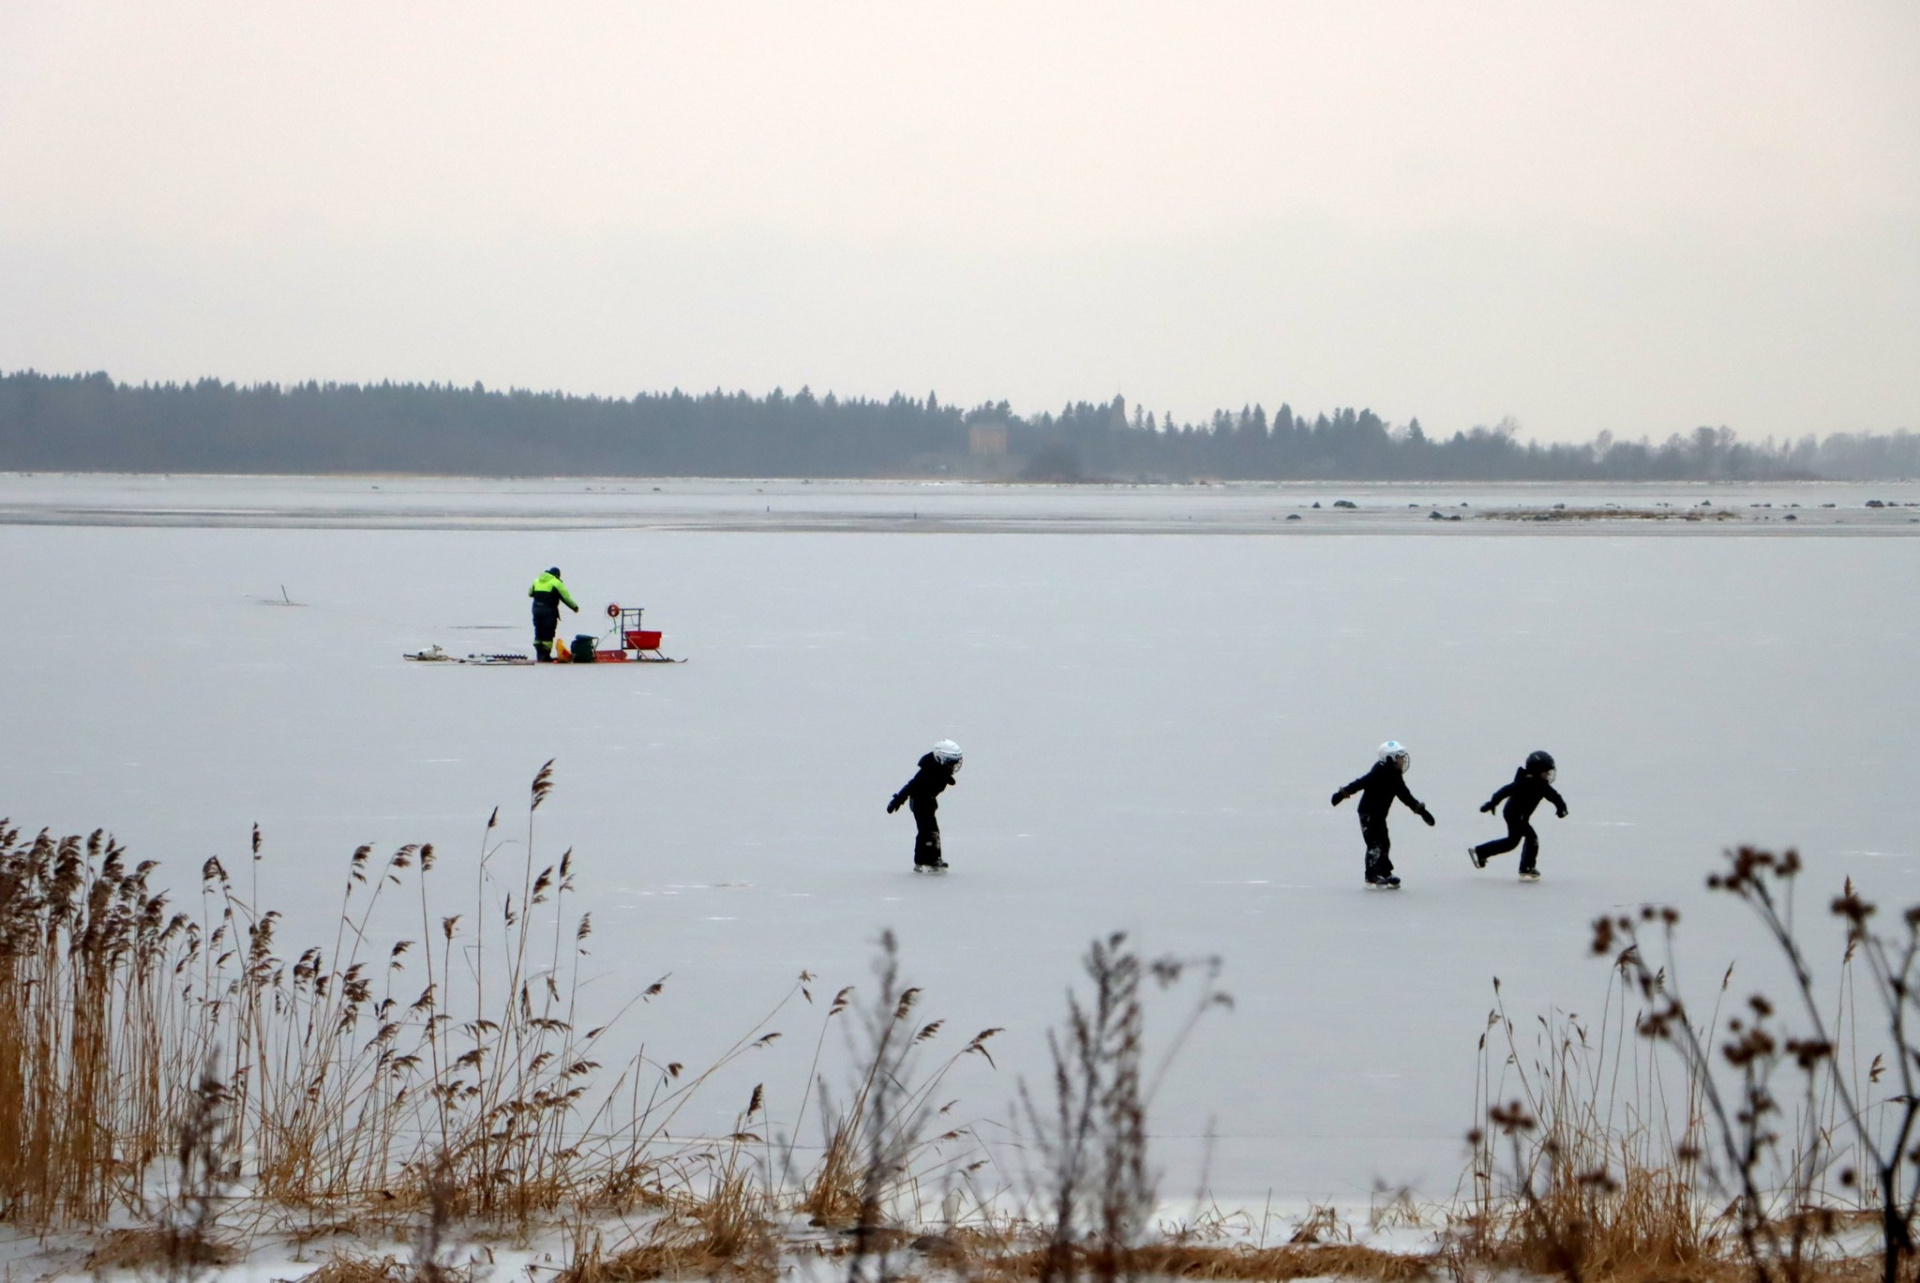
(89, 423)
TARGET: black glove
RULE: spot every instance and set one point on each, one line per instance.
(1338, 798)
(1562, 813)
(1428, 817)
(1487, 808)
(895, 804)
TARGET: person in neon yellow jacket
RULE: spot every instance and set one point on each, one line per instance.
(548, 592)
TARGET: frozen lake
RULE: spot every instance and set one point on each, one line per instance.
(1153, 725)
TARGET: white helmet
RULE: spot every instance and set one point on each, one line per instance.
(1396, 752)
(947, 751)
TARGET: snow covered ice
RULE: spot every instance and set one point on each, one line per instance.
(1153, 725)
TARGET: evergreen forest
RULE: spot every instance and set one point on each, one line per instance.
(91, 423)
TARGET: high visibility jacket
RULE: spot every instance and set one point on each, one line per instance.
(548, 591)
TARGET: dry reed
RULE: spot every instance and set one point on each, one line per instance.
(1585, 1156)
(441, 1083)
(348, 1077)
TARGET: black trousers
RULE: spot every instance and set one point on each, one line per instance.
(545, 623)
(926, 835)
(1379, 845)
(1519, 833)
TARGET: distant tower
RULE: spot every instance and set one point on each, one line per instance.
(987, 438)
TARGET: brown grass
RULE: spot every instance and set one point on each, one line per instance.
(151, 1248)
(728, 1233)
(1191, 1261)
(665, 1258)
(360, 1267)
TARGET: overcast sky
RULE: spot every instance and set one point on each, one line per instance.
(1637, 217)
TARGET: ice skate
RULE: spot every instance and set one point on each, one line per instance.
(1479, 860)
(1379, 872)
(1529, 875)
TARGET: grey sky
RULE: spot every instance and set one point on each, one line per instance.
(1627, 216)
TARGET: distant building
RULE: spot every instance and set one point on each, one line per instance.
(987, 438)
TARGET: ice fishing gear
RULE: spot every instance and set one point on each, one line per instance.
(434, 655)
(628, 642)
(636, 642)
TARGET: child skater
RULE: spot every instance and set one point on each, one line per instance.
(1531, 783)
(1377, 789)
(938, 767)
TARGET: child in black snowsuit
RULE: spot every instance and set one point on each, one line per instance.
(922, 792)
(1377, 789)
(1531, 784)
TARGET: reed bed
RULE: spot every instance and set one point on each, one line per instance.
(173, 1064)
(173, 1067)
(1585, 1155)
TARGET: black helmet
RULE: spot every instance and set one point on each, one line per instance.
(555, 572)
(1540, 762)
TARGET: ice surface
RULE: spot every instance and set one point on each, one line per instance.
(1152, 725)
